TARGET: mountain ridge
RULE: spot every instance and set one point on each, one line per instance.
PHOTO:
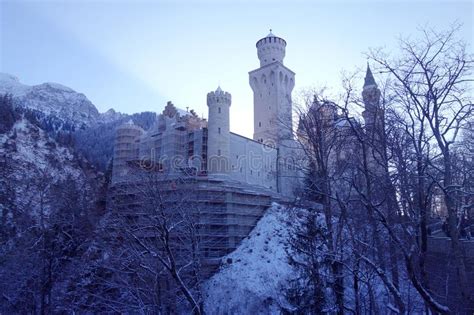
(50, 98)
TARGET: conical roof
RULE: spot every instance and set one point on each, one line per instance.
(369, 77)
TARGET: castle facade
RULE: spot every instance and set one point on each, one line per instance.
(183, 144)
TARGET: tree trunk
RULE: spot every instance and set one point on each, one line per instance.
(454, 230)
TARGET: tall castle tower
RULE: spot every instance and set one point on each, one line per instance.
(374, 124)
(272, 84)
(218, 147)
(373, 113)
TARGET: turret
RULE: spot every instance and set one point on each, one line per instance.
(373, 113)
(271, 49)
(218, 143)
(125, 149)
(370, 92)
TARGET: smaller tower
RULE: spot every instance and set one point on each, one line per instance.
(125, 149)
(218, 141)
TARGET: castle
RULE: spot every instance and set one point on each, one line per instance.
(233, 179)
(229, 179)
(181, 143)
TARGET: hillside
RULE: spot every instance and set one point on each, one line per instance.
(253, 277)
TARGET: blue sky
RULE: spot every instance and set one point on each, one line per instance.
(136, 55)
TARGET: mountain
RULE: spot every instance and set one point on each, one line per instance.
(52, 99)
(31, 160)
(50, 201)
(62, 112)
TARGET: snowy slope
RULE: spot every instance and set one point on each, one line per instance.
(251, 278)
(51, 99)
(33, 159)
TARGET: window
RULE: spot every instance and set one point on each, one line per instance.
(260, 124)
(219, 110)
(219, 130)
(219, 152)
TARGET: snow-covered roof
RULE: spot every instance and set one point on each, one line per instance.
(182, 112)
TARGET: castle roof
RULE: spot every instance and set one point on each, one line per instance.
(369, 77)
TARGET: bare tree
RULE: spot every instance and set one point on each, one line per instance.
(430, 81)
(158, 218)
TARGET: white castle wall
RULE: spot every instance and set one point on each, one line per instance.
(252, 162)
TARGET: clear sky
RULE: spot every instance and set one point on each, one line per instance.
(136, 55)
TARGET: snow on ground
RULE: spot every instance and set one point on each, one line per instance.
(250, 280)
(34, 147)
(36, 158)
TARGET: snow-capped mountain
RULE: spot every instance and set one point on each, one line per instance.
(51, 99)
(60, 109)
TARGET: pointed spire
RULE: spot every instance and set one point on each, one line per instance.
(369, 78)
(219, 88)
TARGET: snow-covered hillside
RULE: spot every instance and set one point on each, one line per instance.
(252, 279)
(32, 161)
(51, 99)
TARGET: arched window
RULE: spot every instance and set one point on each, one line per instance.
(260, 124)
(219, 110)
(219, 130)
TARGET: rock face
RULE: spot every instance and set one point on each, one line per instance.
(51, 99)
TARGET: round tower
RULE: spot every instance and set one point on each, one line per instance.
(218, 142)
(125, 149)
(271, 49)
(272, 84)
